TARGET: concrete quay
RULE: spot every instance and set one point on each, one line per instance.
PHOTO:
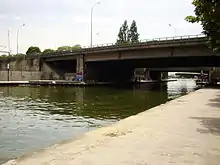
(49, 83)
(184, 131)
(68, 83)
(13, 83)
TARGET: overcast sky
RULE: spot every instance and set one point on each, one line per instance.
(54, 23)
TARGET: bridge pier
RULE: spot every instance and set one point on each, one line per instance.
(147, 74)
(80, 67)
(164, 75)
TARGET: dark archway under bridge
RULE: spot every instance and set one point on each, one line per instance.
(123, 70)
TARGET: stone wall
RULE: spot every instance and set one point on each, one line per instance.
(19, 76)
(21, 65)
(27, 69)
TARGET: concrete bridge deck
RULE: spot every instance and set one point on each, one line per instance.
(188, 40)
(185, 131)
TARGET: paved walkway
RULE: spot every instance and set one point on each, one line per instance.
(185, 131)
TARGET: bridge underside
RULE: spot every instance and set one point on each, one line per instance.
(66, 69)
(123, 70)
(108, 71)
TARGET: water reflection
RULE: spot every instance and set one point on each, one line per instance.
(97, 103)
(60, 113)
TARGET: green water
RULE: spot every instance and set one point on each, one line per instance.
(32, 118)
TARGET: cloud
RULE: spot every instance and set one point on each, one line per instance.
(99, 20)
(80, 20)
(17, 18)
(2, 16)
(67, 22)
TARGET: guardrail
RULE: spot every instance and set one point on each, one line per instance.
(184, 38)
(150, 40)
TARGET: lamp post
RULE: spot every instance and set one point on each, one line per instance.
(9, 45)
(8, 68)
(174, 29)
(18, 35)
(91, 19)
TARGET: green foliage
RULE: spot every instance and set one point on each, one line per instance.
(133, 35)
(207, 12)
(123, 33)
(33, 50)
(120, 36)
(76, 47)
(48, 51)
(36, 51)
(3, 56)
(64, 48)
(126, 35)
(68, 48)
(9, 58)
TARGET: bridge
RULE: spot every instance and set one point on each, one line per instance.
(116, 62)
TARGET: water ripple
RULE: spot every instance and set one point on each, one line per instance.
(34, 118)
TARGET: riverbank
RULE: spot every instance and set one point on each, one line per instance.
(182, 131)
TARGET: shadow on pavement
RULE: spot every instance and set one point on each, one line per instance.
(211, 124)
(215, 102)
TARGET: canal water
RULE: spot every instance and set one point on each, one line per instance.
(32, 118)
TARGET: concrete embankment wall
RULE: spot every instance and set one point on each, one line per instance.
(19, 75)
(26, 69)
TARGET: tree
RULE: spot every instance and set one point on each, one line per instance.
(126, 35)
(33, 50)
(207, 12)
(48, 51)
(123, 33)
(76, 47)
(120, 36)
(69, 48)
(64, 48)
(133, 35)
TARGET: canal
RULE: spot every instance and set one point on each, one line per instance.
(32, 118)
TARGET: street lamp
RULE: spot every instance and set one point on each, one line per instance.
(18, 35)
(174, 29)
(8, 69)
(9, 44)
(91, 19)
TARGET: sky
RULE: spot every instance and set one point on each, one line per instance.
(54, 23)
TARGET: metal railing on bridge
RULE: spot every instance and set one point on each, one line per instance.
(154, 41)
(179, 38)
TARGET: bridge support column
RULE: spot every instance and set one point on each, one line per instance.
(164, 75)
(155, 75)
(80, 68)
(147, 75)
